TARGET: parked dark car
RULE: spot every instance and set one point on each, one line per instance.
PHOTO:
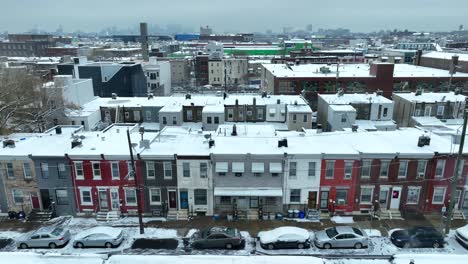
(417, 237)
(217, 237)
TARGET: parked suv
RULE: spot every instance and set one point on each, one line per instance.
(50, 237)
(417, 237)
(216, 237)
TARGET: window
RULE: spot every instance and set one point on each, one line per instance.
(366, 195)
(150, 170)
(27, 171)
(17, 196)
(311, 171)
(230, 114)
(402, 168)
(238, 174)
(148, 115)
(260, 114)
(330, 168)
(384, 165)
(186, 169)
(348, 171)
(292, 169)
(61, 197)
(79, 170)
(295, 196)
(155, 196)
(167, 170)
(427, 110)
(294, 118)
(9, 170)
(366, 169)
(440, 168)
(343, 118)
(203, 170)
(115, 170)
(62, 171)
(189, 115)
(85, 195)
(127, 115)
(130, 196)
(385, 112)
(440, 110)
(174, 120)
(216, 119)
(130, 172)
(439, 195)
(226, 200)
(221, 174)
(45, 170)
(341, 196)
(200, 196)
(413, 195)
(164, 120)
(422, 168)
(304, 119)
(208, 119)
(96, 170)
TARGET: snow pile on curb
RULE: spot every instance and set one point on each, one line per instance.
(342, 219)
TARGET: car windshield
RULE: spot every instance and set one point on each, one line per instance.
(331, 232)
(57, 231)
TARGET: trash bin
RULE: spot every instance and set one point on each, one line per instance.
(296, 213)
(279, 216)
(265, 216)
(290, 213)
(229, 217)
(301, 214)
(215, 217)
(272, 216)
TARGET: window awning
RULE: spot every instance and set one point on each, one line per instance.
(258, 167)
(272, 111)
(238, 167)
(275, 167)
(221, 167)
(232, 191)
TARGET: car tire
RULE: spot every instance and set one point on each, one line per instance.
(79, 245)
(108, 245)
(358, 246)
(327, 246)
(23, 246)
(52, 245)
(435, 244)
(228, 246)
(270, 246)
(300, 246)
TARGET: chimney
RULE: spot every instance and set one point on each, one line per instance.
(234, 130)
(264, 94)
(278, 101)
(58, 130)
(211, 143)
(144, 40)
(417, 58)
(354, 127)
(188, 96)
(424, 141)
(283, 143)
(453, 65)
(150, 96)
(8, 143)
(237, 101)
(379, 92)
(76, 143)
(418, 92)
(114, 96)
(319, 128)
(224, 96)
(254, 101)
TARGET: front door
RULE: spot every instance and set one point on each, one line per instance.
(395, 200)
(172, 199)
(383, 198)
(115, 202)
(324, 199)
(35, 201)
(242, 203)
(183, 200)
(103, 203)
(45, 199)
(312, 200)
(457, 199)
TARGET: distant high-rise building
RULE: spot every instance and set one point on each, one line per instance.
(309, 28)
(206, 31)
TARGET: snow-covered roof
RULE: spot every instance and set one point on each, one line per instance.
(299, 109)
(213, 109)
(106, 230)
(285, 232)
(445, 55)
(342, 108)
(354, 98)
(431, 97)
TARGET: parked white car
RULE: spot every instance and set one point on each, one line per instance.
(50, 237)
(101, 236)
(285, 237)
(341, 237)
(461, 235)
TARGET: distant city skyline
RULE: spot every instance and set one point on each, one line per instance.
(239, 16)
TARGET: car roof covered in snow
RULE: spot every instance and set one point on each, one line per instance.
(272, 235)
(463, 230)
(106, 230)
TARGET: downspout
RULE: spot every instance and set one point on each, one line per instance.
(74, 187)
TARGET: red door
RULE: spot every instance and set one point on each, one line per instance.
(35, 201)
(172, 199)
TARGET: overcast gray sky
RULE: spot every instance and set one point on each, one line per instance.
(235, 15)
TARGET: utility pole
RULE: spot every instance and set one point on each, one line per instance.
(453, 184)
(137, 185)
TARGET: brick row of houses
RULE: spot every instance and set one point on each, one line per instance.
(235, 168)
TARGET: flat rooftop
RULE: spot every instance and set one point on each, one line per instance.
(355, 98)
(431, 97)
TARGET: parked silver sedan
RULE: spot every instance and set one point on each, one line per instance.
(341, 237)
(50, 237)
(101, 236)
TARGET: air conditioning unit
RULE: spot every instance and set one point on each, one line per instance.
(420, 175)
(341, 201)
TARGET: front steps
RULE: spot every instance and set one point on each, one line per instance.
(390, 215)
(39, 215)
(107, 216)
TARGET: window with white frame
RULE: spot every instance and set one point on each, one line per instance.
(61, 196)
(186, 169)
(341, 196)
(150, 170)
(403, 167)
(413, 195)
(384, 166)
(203, 169)
(201, 196)
(155, 196)
(10, 172)
(45, 170)
(62, 171)
(292, 169)
(366, 169)
(439, 195)
(79, 170)
(440, 110)
(130, 197)
(130, 172)
(85, 196)
(27, 171)
(96, 170)
(295, 196)
(439, 173)
(18, 197)
(366, 194)
(348, 170)
(422, 164)
(311, 171)
(167, 170)
(115, 170)
(148, 115)
(329, 169)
